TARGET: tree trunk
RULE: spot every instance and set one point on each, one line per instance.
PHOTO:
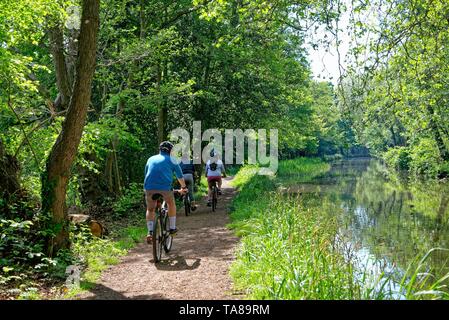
(393, 136)
(62, 75)
(117, 178)
(108, 173)
(162, 115)
(72, 50)
(62, 155)
(115, 143)
(9, 166)
(161, 122)
(142, 19)
(444, 152)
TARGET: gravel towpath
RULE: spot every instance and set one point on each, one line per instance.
(197, 267)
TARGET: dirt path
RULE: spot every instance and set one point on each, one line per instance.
(196, 268)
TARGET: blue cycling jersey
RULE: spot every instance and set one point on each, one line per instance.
(159, 172)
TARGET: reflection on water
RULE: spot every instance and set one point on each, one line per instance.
(386, 217)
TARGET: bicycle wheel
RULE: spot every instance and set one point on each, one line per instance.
(168, 238)
(214, 198)
(157, 239)
(187, 204)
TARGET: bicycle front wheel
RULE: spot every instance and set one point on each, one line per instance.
(157, 240)
(168, 239)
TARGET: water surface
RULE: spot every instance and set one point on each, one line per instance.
(388, 220)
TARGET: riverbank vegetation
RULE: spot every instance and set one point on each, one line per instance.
(286, 250)
(294, 244)
(394, 89)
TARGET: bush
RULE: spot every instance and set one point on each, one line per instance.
(132, 198)
(22, 256)
(443, 170)
(425, 158)
(398, 158)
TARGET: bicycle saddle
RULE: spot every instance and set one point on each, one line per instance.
(157, 196)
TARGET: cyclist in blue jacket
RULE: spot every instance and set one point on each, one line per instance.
(159, 172)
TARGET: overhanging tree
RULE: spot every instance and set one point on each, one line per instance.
(59, 162)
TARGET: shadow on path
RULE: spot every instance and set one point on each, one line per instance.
(176, 264)
(101, 292)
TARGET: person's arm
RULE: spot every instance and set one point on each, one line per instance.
(180, 176)
(182, 182)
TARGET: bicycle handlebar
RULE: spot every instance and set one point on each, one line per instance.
(182, 191)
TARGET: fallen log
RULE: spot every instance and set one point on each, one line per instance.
(96, 228)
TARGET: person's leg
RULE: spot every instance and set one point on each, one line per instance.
(190, 184)
(170, 200)
(219, 185)
(151, 206)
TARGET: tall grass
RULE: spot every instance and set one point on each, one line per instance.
(287, 254)
(419, 281)
(302, 169)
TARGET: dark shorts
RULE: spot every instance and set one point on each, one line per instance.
(210, 180)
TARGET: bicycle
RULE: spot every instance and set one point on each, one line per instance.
(214, 195)
(187, 203)
(161, 229)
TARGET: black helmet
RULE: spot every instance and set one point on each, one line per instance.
(166, 146)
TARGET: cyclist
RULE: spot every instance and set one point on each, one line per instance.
(158, 179)
(214, 170)
(188, 170)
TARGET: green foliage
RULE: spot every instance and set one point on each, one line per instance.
(131, 199)
(395, 94)
(425, 158)
(23, 262)
(421, 159)
(398, 157)
(229, 65)
(22, 252)
(96, 141)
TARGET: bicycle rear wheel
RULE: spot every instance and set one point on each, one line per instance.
(157, 239)
(187, 204)
(214, 198)
(168, 238)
